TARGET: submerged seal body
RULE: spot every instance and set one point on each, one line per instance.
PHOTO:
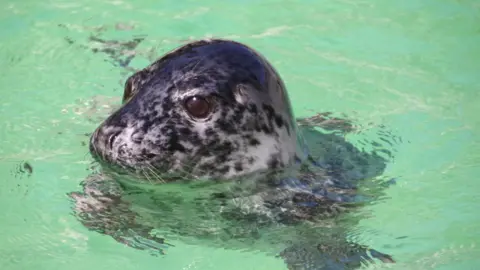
(216, 113)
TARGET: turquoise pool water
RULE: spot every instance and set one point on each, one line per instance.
(412, 66)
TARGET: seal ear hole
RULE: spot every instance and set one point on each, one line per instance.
(198, 106)
(240, 93)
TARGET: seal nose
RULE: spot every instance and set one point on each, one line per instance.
(103, 142)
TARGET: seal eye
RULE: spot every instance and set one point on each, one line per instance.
(197, 106)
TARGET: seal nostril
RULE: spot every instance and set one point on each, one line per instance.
(111, 139)
(137, 137)
(122, 150)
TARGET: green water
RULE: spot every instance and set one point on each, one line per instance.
(412, 66)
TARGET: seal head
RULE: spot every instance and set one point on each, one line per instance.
(209, 109)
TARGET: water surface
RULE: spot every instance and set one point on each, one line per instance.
(412, 66)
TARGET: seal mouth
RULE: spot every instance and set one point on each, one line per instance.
(148, 168)
(146, 173)
(151, 168)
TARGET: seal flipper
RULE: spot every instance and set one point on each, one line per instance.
(325, 257)
(100, 208)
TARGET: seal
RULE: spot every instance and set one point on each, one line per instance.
(206, 133)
